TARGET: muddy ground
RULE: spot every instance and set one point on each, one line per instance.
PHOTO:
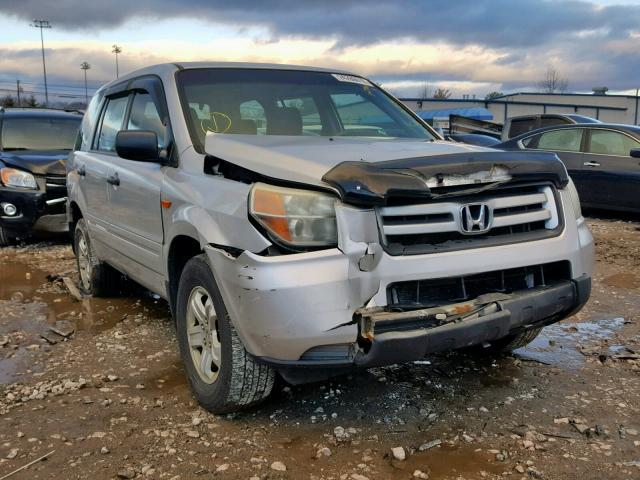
(110, 401)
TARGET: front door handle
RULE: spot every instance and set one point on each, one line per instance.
(113, 180)
(591, 164)
(82, 171)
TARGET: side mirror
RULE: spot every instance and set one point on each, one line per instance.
(635, 152)
(138, 145)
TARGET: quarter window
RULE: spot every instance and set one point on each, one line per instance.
(361, 117)
(111, 124)
(144, 116)
(607, 142)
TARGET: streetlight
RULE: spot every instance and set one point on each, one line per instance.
(43, 24)
(85, 66)
(116, 49)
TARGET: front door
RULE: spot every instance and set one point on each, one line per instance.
(134, 200)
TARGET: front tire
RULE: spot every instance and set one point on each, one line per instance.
(223, 376)
(96, 277)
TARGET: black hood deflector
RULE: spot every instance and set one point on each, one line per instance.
(373, 184)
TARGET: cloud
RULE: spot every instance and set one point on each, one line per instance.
(487, 45)
(495, 23)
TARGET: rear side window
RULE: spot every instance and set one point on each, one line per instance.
(607, 142)
(39, 133)
(521, 125)
(144, 116)
(565, 140)
(85, 136)
(111, 124)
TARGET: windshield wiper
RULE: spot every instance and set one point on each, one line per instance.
(13, 149)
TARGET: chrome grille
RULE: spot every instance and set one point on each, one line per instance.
(514, 215)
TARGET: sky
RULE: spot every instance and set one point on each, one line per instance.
(470, 47)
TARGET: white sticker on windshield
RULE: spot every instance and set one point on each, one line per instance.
(351, 79)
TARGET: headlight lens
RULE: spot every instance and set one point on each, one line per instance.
(17, 178)
(575, 199)
(297, 218)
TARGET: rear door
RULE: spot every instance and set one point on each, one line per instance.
(610, 176)
(134, 198)
(93, 168)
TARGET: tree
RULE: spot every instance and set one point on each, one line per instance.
(31, 101)
(553, 82)
(7, 101)
(442, 93)
(492, 95)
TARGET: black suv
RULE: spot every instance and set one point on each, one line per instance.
(34, 145)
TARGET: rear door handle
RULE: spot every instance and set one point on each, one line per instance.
(81, 171)
(113, 179)
(591, 164)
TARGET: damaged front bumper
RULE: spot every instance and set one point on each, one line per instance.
(304, 313)
(394, 337)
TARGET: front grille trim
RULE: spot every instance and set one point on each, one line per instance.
(520, 214)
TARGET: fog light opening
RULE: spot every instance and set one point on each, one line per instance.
(9, 209)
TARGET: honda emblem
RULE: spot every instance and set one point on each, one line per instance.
(475, 218)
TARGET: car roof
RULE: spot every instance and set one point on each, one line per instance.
(40, 112)
(164, 68)
(607, 126)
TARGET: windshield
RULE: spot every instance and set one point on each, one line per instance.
(39, 133)
(283, 102)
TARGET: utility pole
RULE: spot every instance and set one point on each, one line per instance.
(41, 24)
(116, 49)
(85, 66)
(18, 88)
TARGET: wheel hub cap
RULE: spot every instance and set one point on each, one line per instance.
(202, 335)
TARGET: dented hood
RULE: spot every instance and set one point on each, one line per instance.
(370, 171)
(37, 161)
(305, 159)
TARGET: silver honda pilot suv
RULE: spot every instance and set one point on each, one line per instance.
(303, 222)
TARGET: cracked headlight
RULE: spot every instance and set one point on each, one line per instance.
(12, 177)
(295, 218)
(575, 199)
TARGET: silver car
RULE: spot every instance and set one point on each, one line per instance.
(303, 222)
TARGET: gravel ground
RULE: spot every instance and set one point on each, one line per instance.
(105, 396)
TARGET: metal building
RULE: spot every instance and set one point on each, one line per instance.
(607, 108)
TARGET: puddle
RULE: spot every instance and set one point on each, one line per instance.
(32, 303)
(20, 283)
(557, 344)
(451, 461)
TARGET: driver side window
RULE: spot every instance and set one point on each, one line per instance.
(144, 116)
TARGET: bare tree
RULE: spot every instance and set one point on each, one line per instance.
(553, 82)
(442, 93)
(492, 95)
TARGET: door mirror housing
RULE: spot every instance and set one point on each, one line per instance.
(138, 145)
(635, 152)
